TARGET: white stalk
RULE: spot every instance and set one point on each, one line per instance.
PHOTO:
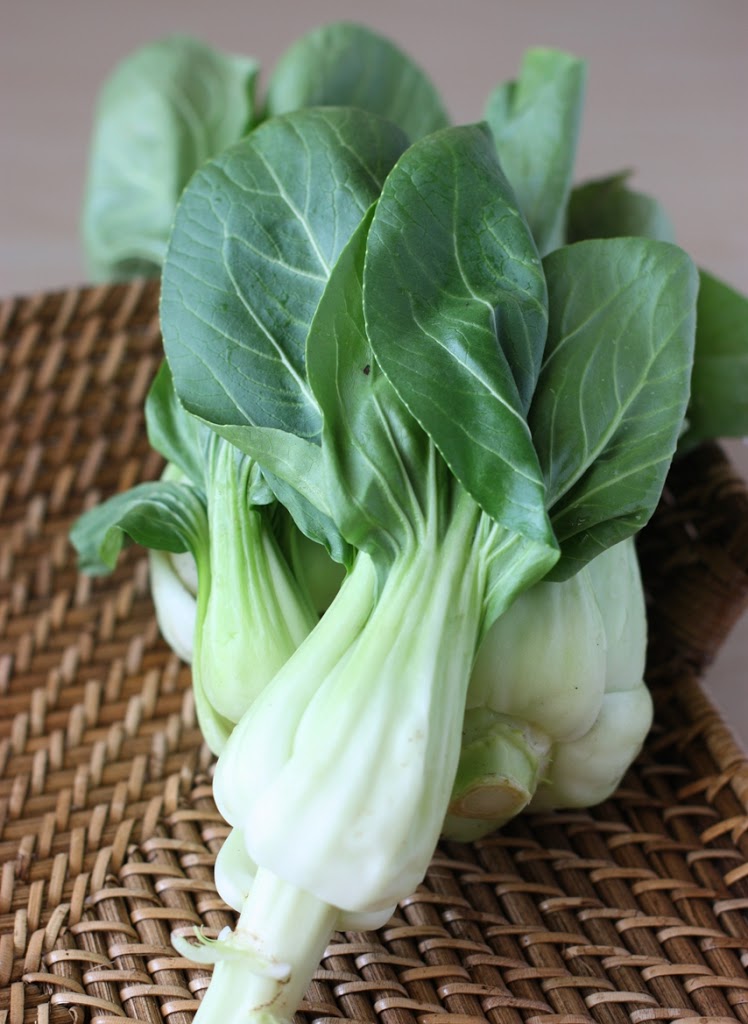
(502, 762)
(176, 607)
(235, 873)
(589, 769)
(263, 968)
(537, 686)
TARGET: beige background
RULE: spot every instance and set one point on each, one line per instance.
(668, 84)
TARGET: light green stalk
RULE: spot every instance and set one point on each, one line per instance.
(249, 615)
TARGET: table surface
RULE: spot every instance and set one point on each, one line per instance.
(668, 83)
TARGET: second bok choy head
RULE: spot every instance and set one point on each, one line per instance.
(171, 104)
(213, 509)
(454, 419)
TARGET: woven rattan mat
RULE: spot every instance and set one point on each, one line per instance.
(634, 911)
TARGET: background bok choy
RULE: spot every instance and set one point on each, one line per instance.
(172, 104)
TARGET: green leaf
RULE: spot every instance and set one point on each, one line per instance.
(719, 384)
(167, 108)
(535, 122)
(172, 431)
(455, 307)
(162, 515)
(613, 391)
(256, 235)
(607, 208)
(343, 64)
(376, 455)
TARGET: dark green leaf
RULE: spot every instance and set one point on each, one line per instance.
(256, 235)
(166, 109)
(162, 515)
(614, 387)
(607, 208)
(348, 65)
(535, 122)
(377, 456)
(455, 307)
(719, 385)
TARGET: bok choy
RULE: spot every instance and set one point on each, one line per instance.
(419, 395)
(453, 417)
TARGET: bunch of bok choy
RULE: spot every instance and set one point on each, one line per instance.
(419, 395)
(455, 419)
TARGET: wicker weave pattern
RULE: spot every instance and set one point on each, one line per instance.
(632, 912)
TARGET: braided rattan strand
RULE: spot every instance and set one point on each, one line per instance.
(634, 911)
